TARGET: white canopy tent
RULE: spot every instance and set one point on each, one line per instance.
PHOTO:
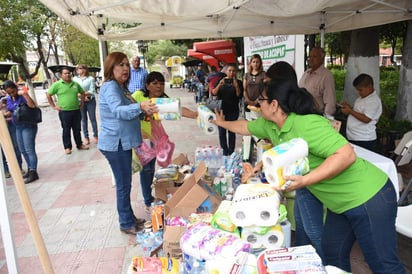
(187, 19)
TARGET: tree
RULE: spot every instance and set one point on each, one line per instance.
(392, 34)
(79, 48)
(363, 58)
(163, 49)
(404, 105)
(22, 25)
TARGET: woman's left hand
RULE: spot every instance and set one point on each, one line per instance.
(293, 182)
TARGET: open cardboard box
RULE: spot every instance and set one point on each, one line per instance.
(193, 196)
(165, 187)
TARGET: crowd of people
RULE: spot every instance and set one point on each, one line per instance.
(341, 200)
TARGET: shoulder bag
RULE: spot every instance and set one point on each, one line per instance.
(24, 114)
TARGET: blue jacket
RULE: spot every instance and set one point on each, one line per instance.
(119, 119)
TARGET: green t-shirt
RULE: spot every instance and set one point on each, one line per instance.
(352, 187)
(145, 125)
(66, 94)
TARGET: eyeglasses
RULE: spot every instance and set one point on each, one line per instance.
(260, 99)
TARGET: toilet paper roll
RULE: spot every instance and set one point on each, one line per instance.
(169, 108)
(203, 120)
(261, 147)
(255, 204)
(288, 158)
(273, 238)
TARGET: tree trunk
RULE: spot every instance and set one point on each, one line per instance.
(404, 103)
(363, 58)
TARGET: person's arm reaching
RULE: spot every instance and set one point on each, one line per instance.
(239, 126)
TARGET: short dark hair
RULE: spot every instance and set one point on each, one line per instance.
(9, 84)
(363, 80)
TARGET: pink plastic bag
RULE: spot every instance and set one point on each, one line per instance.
(145, 153)
(163, 146)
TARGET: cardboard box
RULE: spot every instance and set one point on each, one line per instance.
(193, 196)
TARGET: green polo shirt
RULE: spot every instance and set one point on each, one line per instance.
(67, 94)
(351, 188)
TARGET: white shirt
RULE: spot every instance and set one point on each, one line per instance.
(371, 106)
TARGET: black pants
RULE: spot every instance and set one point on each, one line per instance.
(224, 135)
(71, 121)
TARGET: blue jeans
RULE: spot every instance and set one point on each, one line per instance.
(71, 121)
(308, 213)
(26, 138)
(228, 147)
(372, 224)
(89, 109)
(200, 88)
(146, 179)
(12, 131)
(121, 164)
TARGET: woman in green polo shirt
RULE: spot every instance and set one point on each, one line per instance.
(360, 199)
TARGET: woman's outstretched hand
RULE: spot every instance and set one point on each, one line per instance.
(219, 117)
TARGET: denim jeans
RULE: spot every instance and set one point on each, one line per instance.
(71, 120)
(200, 88)
(121, 164)
(308, 213)
(13, 136)
(372, 224)
(146, 179)
(89, 109)
(228, 147)
(26, 138)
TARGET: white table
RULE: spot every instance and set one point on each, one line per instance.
(384, 163)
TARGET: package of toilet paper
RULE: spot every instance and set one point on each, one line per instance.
(289, 158)
(255, 204)
(272, 237)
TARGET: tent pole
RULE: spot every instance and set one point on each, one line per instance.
(103, 52)
(15, 171)
(322, 38)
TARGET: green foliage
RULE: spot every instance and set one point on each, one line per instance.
(163, 49)
(339, 76)
(80, 48)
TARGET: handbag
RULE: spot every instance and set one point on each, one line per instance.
(24, 114)
(213, 104)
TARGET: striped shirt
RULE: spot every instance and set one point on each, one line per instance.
(137, 79)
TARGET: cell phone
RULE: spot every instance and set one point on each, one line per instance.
(228, 81)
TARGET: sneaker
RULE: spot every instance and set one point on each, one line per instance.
(131, 231)
(68, 151)
(86, 141)
(83, 147)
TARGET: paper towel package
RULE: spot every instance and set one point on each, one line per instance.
(169, 108)
(203, 120)
(289, 158)
(255, 204)
(272, 237)
(302, 259)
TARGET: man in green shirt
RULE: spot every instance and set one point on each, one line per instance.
(68, 105)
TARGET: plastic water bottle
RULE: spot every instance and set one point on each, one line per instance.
(198, 268)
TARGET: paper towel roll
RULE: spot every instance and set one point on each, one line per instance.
(255, 204)
(169, 108)
(203, 120)
(288, 158)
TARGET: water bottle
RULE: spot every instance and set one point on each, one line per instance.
(198, 268)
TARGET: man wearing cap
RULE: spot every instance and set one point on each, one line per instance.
(137, 75)
(200, 76)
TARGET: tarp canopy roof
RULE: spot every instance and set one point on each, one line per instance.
(187, 19)
(201, 57)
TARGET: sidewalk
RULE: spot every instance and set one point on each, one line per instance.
(75, 203)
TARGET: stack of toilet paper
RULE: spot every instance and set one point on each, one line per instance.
(203, 120)
(264, 237)
(289, 158)
(255, 204)
(169, 108)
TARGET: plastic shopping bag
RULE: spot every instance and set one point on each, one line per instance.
(163, 146)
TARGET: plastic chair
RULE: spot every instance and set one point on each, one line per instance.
(404, 218)
(403, 150)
